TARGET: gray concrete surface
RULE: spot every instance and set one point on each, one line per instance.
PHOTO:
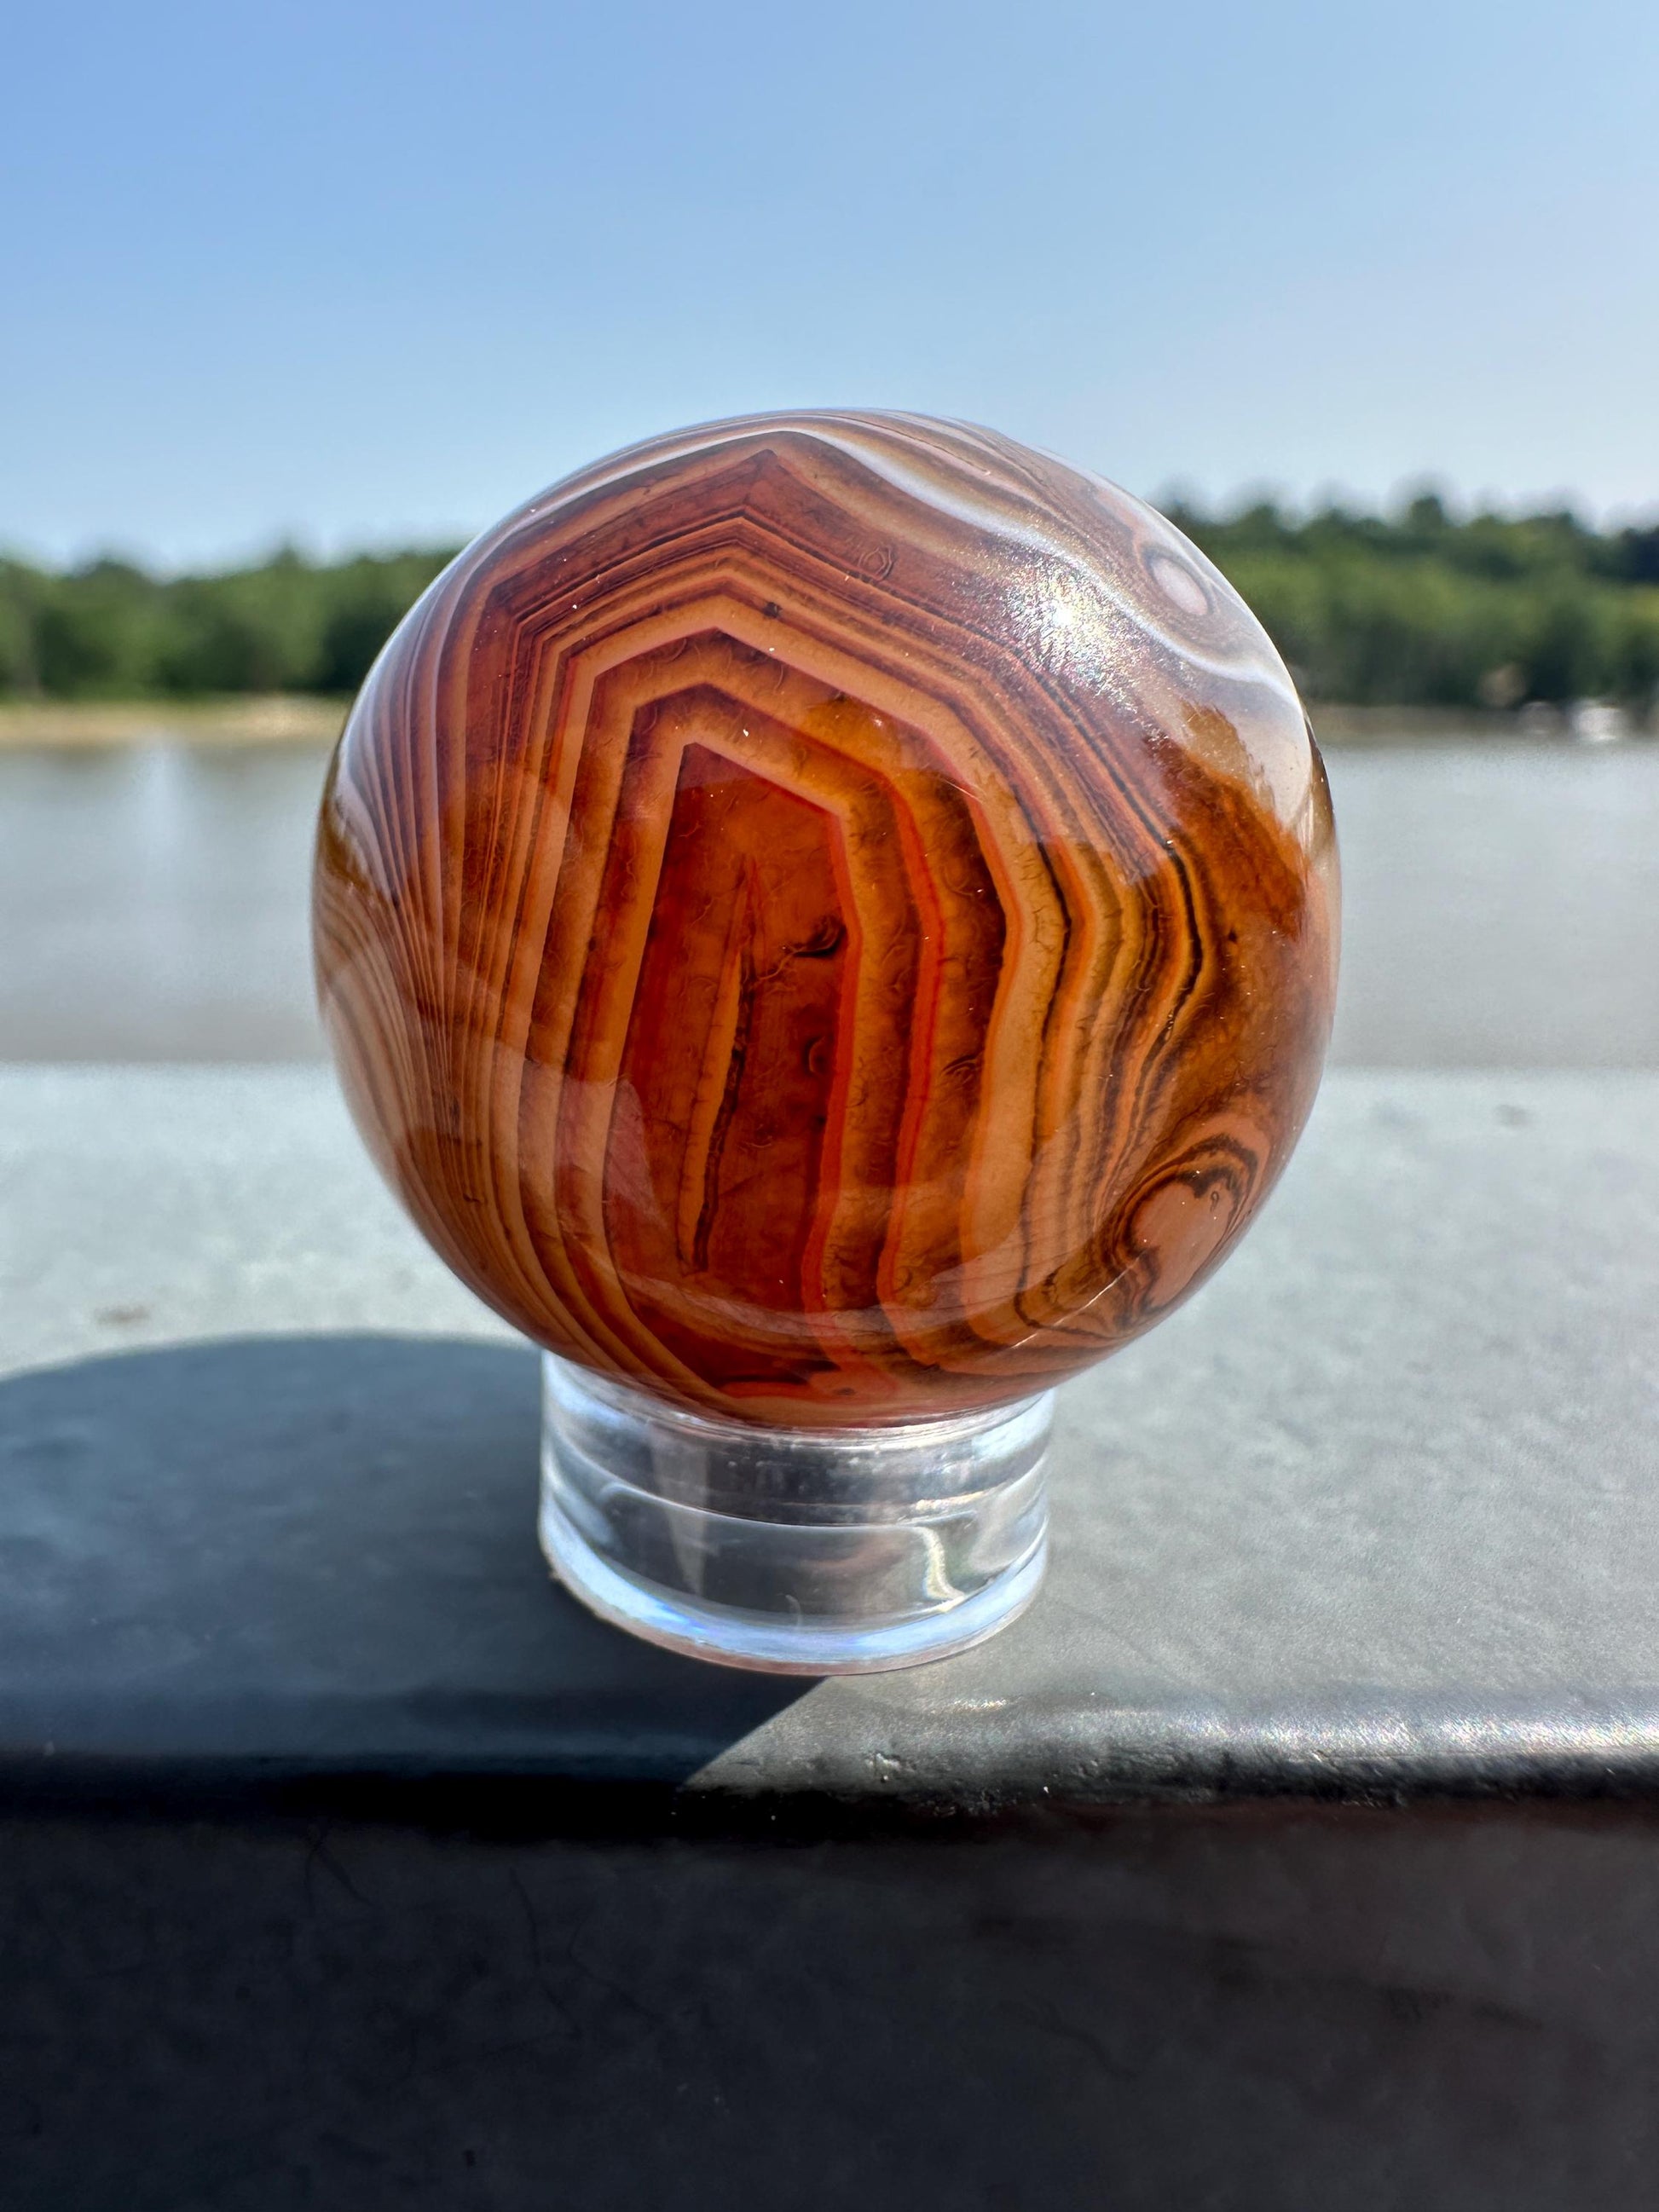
(1502, 905)
(1378, 1509)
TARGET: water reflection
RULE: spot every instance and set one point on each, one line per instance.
(153, 903)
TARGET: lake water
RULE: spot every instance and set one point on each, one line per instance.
(1502, 904)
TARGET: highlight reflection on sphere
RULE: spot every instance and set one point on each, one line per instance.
(830, 918)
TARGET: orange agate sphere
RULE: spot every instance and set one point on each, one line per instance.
(830, 918)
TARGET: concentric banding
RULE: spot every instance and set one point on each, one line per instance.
(830, 917)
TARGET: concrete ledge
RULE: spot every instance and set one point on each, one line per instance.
(1376, 1515)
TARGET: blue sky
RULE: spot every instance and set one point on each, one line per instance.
(356, 273)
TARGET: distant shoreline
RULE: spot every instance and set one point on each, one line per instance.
(247, 721)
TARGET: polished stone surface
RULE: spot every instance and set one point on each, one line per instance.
(1378, 1512)
(828, 919)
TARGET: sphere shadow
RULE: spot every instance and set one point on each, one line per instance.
(315, 1555)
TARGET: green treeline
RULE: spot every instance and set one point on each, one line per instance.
(1419, 608)
(112, 631)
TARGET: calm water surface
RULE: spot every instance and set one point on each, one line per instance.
(1502, 904)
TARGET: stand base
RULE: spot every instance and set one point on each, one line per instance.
(822, 1552)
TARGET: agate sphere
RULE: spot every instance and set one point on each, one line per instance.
(830, 918)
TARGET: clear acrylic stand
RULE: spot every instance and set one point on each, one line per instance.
(794, 1551)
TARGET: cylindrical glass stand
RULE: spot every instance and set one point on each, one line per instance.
(796, 1552)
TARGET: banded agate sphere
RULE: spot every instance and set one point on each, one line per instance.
(830, 918)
